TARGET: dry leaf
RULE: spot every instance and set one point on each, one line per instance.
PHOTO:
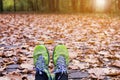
(27, 66)
(5, 78)
(116, 63)
(49, 41)
(88, 37)
(73, 67)
(14, 76)
(114, 73)
(73, 55)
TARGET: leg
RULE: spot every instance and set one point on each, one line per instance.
(61, 76)
(42, 76)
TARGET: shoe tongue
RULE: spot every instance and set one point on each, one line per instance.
(61, 61)
(61, 65)
(40, 64)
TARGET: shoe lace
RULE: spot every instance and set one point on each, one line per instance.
(40, 64)
(61, 66)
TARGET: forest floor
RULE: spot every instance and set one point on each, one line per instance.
(93, 42)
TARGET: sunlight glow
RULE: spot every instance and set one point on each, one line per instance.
(100, 5)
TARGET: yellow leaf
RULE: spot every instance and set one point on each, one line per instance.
(49, 41)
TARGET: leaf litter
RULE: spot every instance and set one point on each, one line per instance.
(93, 42)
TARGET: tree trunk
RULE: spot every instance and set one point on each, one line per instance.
(82, 6)
(119, 4)
(74, 5)
(52, 5)
(14, 5)
(91, 9)
(31, 5)
(57, 5)
(1, 5)
(49, 4)
(43, 3)
(36, 3)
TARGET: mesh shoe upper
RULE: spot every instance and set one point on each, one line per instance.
(40, 65)
(60, 58)
(60, 50)
(41, 50)
(61, 66)
(41, 60)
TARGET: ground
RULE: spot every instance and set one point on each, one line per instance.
(93, 42)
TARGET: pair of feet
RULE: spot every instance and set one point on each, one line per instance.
(60, 59)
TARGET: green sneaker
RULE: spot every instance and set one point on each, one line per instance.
(60, 59)
(41, 59)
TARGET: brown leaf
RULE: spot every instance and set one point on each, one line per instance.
(74, 67)
(98, 72)
(27, 66)
(101, 72)
(73, 55)
(1, 53)
(49, 41)
(4, 78)
(2, 69)
(116, 64)
(115, 73)
(14, 76)
(1, 48)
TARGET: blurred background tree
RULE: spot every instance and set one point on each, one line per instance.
(1, 5)
(61, 6)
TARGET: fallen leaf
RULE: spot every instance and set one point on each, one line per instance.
(14, 76)
(115, 73)
(73, 55)
(5, 78)
(49, 41)
(73, 67)
(101, 72)
(2, 69)
(27, 66)
(116, 63)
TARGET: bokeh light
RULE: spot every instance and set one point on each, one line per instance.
(100, 5)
